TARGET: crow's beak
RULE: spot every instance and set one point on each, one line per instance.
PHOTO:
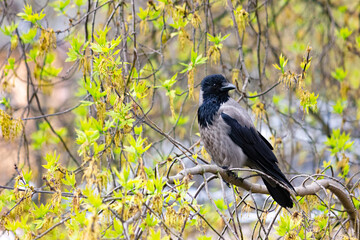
(227, 87)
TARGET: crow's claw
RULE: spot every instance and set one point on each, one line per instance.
(229, 173)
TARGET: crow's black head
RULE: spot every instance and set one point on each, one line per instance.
(215, 85)
(215, 91)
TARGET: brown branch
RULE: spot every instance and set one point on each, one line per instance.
(31, 83)
(52, 227)
(57, 113)
(310, 189)
(86, 17)
(218, 210)
(265, 92)
(35, 191)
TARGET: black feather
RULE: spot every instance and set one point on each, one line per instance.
(260, 155)
(207, 111)
(213, 97)
(266, 141)
(279, 194)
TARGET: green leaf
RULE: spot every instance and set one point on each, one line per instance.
(150, 221)
(321, 221)
(5, 102)
(155, 235)
(138, 130)
(282, 62)
(339, 74)
(28, 15)
(150, 186)
(27, 175)
(339, 106)
(308, 100)
(159, 184)
(11, 63)
(286, 224)
(195, 61)
(94, 89)
(77, 49)
(12, 225)
(52, 161)
(326, 164)
(41, 211)
(69, 179)
(220, 204)
(29, 36)
(92, 198)
(345, 171)
(118, 227)
(200, 60)
(167, 84)
(79, 3)
(60, 5)
(123, 177)
(344, 33)
(149, 172)
(276, 66)
(179, 23)
(9, 29)
(342, 9)
(143, 14)
(337, 142)
(98, 148)
(217, 39)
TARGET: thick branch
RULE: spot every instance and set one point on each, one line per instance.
(310, 189)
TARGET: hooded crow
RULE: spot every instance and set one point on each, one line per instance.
(231, 139)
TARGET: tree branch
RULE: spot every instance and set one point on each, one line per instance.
(310, 189)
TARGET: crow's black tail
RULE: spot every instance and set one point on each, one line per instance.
(280, 194)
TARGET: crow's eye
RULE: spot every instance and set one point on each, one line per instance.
(214, 85)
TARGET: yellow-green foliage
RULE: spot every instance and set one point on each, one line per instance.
(98, 112)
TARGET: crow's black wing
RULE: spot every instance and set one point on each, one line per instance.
(266, 141)
(256, 148)
(258, 151)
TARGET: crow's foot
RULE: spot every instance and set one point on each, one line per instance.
(229, 173)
